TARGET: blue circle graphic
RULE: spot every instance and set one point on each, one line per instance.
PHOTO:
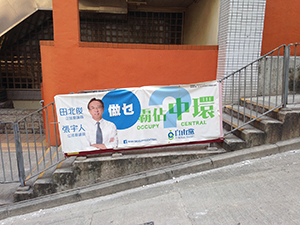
(121, 107)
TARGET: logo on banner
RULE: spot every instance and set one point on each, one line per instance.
(122, 107)
(171, 135)
(181, 133)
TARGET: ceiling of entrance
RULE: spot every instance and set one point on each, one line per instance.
(12, 12)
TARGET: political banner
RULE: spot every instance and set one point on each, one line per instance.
(139, 117)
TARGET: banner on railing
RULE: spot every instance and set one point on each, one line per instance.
(139, 117)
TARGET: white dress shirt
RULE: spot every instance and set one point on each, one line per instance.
(109, 132)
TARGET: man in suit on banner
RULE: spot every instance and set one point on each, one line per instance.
(100, 133)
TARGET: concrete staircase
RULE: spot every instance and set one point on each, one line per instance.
(8, 115)
(279, 125)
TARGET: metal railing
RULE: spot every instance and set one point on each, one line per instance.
(292, 75)
(29, 146)
(254, 90)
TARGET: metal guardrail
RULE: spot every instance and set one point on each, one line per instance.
(292, 75)
(255, 90)
(29, 146)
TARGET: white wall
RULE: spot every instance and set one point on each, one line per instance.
(239, 39)
(240, 33)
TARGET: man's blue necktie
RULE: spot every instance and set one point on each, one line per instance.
(99, 139)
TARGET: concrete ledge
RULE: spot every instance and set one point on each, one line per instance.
(145, 178)
(288, 145)
(245, 154)
(91, 170)
(290, 119)
(24, 94)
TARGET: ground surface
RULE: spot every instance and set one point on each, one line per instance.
(259, 191)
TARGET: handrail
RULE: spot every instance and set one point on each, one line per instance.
(259, 82)
(261, 57)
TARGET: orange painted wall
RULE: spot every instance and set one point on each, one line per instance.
(69, 65)
(75, 69)
(282, 24)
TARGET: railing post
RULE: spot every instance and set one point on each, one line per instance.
(19, 153)
(285, 78)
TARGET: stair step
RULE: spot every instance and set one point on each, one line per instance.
(251, 135)
(231, 142)
(271, 126)
(257, 104)
(64, 178)
(44, 186)
(291, 120)
(21, 195)
(33, 123)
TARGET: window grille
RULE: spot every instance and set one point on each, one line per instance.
(20, 59)
(135, 27)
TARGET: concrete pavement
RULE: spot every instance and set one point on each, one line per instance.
(259, 183)
(256, 191)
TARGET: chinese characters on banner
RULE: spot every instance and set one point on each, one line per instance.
(141, 117)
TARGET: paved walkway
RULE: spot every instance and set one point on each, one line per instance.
(257, 191)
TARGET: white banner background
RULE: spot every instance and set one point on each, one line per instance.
(146, 116)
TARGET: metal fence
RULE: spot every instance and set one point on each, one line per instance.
(29, 146)
(256, 90)
(261, 87)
